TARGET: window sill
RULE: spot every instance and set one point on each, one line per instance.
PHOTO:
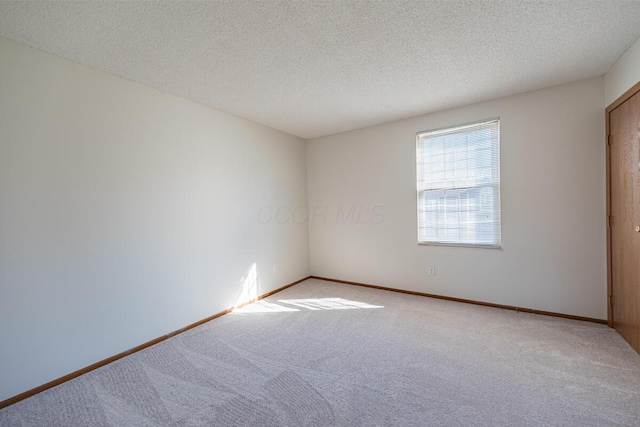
(459, 245)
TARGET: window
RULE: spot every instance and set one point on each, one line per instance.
(459, 185)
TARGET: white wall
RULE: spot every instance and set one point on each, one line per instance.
(553, 206)
(127, 213)
(623, 74)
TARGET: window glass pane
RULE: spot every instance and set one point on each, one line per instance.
(459, 185)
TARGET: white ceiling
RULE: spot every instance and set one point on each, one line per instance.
(313, 68)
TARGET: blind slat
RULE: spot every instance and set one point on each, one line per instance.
(459, 185)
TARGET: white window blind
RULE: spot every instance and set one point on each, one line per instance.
(459, 185)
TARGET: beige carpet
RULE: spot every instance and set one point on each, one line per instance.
(321, 354)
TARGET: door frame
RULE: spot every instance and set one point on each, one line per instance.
(615, 104)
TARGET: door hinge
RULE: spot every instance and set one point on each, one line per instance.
(609, 221)
(611, 300)
(608, 140)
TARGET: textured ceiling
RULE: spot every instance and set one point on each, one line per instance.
(312, 68)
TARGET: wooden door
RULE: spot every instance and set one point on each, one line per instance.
(624, 193)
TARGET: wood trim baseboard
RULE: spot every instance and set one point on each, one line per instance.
(72, 375)
(467, 301)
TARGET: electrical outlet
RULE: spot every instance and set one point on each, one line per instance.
(432, 270)
(275, 268)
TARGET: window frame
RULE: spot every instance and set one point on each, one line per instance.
(418, 191)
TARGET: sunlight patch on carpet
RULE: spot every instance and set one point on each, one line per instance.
(328, 304)
(263, 306)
